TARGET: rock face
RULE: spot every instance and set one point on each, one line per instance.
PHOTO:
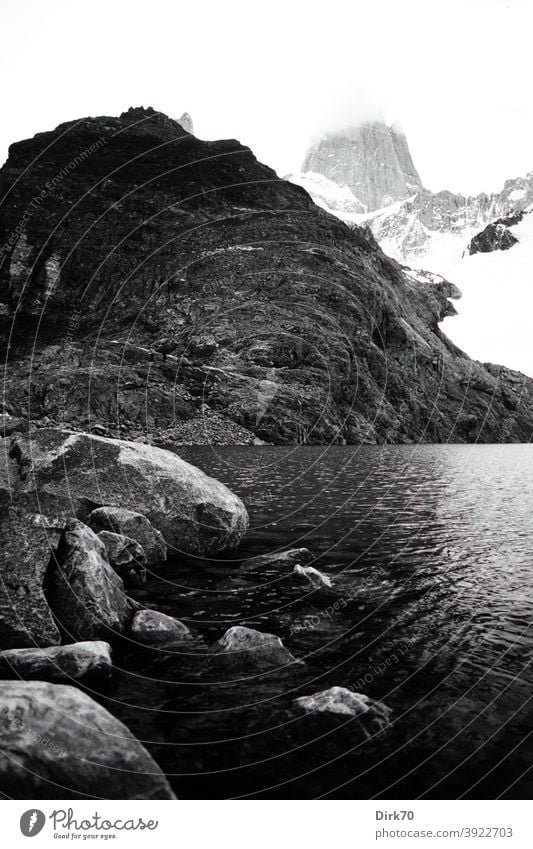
(85, 594)
(320, 337)
(152, 628)
(374, 716)
(372, 160)
(30, 528)
(194, 512)
(133, 525)
(58, 663)
(55, 739)
(126, 557)
(245, 650)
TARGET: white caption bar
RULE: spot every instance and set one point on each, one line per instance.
(265, 824)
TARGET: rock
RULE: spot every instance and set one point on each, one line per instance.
(194, 512)
(54, 739)
(126, 557)
(85, 594)
(134, 525)
(153, 628)
(495, 237)
(58, 663)
(374, 716)
(247, 650)
(312, 577)
(202, 345)
(282, 560)
(30, 528)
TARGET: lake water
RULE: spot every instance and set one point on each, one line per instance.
(430, 549)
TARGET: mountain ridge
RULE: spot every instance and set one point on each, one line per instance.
(166, 285)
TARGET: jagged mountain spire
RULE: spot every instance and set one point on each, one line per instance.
(372, 159)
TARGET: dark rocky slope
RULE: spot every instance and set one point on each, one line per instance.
(269, 318)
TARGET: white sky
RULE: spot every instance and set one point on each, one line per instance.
(456, 74)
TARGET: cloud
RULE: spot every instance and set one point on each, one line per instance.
(349, 105)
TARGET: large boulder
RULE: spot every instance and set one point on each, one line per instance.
(247, 650)
(151, 628)
(134, 525)
(194, 512)
(55, 741)
(58, 663)
(126, 557)
(30, 527)
(85, 594)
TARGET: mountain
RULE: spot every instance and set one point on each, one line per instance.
(371, 159)
(411, 223)
(186, 122)
(169, 289)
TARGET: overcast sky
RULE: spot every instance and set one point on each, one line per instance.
(456, 74)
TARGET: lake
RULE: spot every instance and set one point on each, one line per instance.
(430, 549)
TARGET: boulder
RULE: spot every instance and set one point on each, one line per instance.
(194, 512)
(339, 701)
(152, 628)
(30, 527)
(85, 594)
(134, 525)
(311, 577)
(58, 663)
(126, 557)
(55, 741)
(282, 560)
(247, 650)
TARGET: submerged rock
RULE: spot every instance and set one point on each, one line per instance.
(134, 525)
(312, 577)
(58, 663)
(84, 592)
(55, 740)
(339, 701)
(126, 557)
(152, 628)
(247, 650)
(195, 513)
(284, 560)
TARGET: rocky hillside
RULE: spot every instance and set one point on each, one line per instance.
(170, 289)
